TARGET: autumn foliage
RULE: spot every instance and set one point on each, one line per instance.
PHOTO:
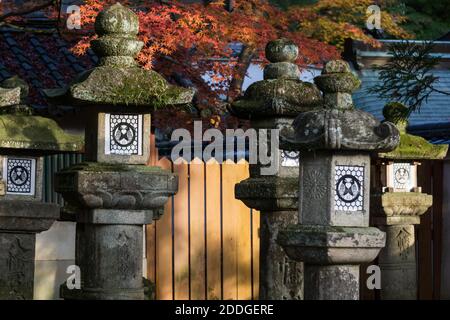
(186, 42)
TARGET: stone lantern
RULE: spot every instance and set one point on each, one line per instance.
(273, 104)
(398, 203)
(114, 194)
(24, 139)
(333, 236)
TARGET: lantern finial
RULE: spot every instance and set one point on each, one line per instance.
(117, 28)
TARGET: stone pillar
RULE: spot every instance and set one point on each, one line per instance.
(24, 139)
(398, 204)
(273, 104)
(114, 193)
(333, 237)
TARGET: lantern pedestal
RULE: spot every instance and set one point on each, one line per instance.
(273, 103)
(333, 237)
(19, 223)
(331, 256)
(401, 210)
(113, 203)
(24, 139)
(398, 204)
(276, 198)
(116, 194)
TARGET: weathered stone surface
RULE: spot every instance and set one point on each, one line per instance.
(9, 96)
(16, 265)
(19, 223)
(323, 245)
(98, 133)
(110, 260)
(117, 80)
(318, 189)
(277, 97)
(281, 278)
(402, 204)
(397, 211)
(281, 70)
(27, 216)
(272, 104)
(330, 129)
(36, 133)
(339, 125)
(333, 236)
(14, 83)
(21, 129)
(398, 263)
(332, 282)
(281, 50)
(281, 93)
(411, 146)
(269, 193)
(112, 197)
(24, 138)
(105, 186)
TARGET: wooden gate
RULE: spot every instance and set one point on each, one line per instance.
(206, 244)
(428, 237)
(429, 232)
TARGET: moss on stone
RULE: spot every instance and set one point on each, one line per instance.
(395, 112)
(337, 82)
(416, 148)
(35, 132)
(277, 97)
(123, 86)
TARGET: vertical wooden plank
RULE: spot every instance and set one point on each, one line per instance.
(213, 244)
(181, 233)
(197, 231)
(244, 249)
(150, 251)
(229, 227)
(255, 248)
(163, 247)
(424, 259)
(437, 227)
(153, 159)
(150, 245)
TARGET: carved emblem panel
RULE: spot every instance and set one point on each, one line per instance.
(290, 158)
(123, 134)
(402, 175)
(20, 175)
(349, 194)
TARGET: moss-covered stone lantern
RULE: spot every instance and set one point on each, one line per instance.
(115, 193)
(398, 203)
(24, 139)
(273, 104)
(333, 236)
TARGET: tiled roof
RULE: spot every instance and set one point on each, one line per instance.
(437, 133)
(435, 110)
(43, 60)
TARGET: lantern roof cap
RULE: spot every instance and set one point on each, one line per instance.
(411, 147)
(20, 128)
(339, 125)
(281, 93)
(117, 79)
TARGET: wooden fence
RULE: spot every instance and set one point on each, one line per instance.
(206, 244)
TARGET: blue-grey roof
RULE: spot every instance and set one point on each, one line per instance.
(43, 60)
(435, 110)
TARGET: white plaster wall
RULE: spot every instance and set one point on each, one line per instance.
(445, 271)
(55, 251)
